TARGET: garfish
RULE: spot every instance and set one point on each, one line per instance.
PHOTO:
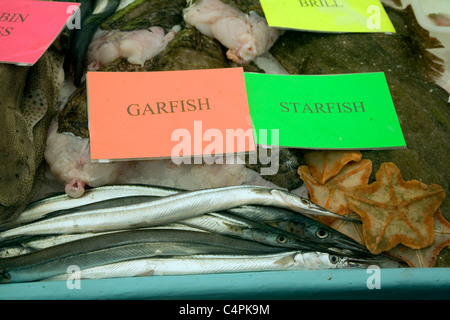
(206, 264)
(42, 207)
(301, 225)
(169, 209)
(235, 226)
(28, 244)
(115, 247)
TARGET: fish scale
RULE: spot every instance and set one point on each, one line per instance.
(169, 209)
(114, 247)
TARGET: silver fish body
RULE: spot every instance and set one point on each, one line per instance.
(235, 226)
(28, 244)
(43, 207)
(206, 264)
(169, 209)
(303, 226)
(115, 247)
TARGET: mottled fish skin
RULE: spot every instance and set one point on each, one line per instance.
(15, 175)
(29, 244)
(288, 162)
(114, 247)
(143, 14)
(73, 118)
(169, 209)
(191, 50)
(28, 105)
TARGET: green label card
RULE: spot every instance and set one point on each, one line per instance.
(328, 15)
(346, 111)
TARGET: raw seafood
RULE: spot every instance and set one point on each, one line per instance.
(70, 161)
(330, 195)
(394, 211)
(28, 99)
(135, 46)
(324, 165)
(246, 36)
(206, 264)
(410, 68)
(165, 210)
(426, 257)
(143, 14)
(114, 247)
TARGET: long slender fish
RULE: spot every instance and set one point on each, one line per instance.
(235, 226)
(115, 247)
(205, 264)
(28, 244)
(301, 225)
(42, 207)
(169, 209)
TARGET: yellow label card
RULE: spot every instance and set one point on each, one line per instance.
(328, 15)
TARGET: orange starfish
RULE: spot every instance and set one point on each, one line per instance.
(394, 211)
(324, 165)
(331, 195)
(426, 257)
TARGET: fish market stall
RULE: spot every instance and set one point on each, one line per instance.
(289, 219)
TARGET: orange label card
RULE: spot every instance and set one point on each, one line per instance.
(168, 114)
(28, 28)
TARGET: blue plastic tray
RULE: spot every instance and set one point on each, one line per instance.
(414, 283)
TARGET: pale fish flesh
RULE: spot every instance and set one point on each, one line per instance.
(245, 36)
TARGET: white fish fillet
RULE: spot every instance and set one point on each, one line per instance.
(136, 46)
(246, 36)
(68, 158)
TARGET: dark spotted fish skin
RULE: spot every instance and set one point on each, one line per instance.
(143, 14)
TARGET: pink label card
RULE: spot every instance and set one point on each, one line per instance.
(28, 28)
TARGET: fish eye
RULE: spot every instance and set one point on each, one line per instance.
(281, 238)
(334, 259)
(322, 234)
(305, 201)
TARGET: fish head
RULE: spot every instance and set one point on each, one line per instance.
(304, 205)
(336, 241)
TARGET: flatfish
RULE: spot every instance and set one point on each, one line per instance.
(28, 98)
